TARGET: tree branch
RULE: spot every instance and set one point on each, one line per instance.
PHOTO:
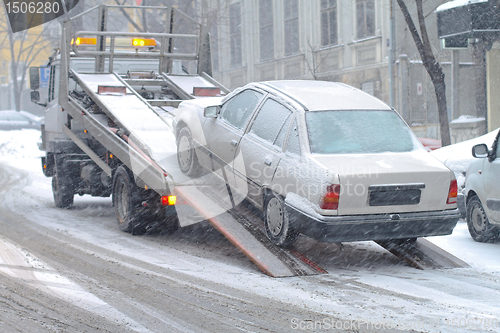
(127, 16)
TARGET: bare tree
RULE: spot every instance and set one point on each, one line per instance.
(313, 65)
(431, 65)
(23, 49)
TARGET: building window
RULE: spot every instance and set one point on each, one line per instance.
(329, 22)
(266, 29)
(365, 18)
(291, 27)
(235, 34)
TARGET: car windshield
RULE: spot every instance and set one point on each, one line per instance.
(358, 132)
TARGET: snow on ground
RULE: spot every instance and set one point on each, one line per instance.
(19, 144)
(365, 282)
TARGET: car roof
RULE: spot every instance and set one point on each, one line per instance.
(24, 113)
(325, 95)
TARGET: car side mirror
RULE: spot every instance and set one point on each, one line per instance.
(211, 111)
(34, 78)
(480, 151)
(35, 96)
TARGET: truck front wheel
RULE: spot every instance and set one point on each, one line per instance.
(125, 200)
(62, 189)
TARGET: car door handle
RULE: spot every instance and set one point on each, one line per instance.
(234, 143)
(268, 160)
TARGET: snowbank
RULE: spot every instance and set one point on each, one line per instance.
(20, 143)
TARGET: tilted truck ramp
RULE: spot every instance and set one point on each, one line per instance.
(271, 259)
(422, 254)
(130, 112)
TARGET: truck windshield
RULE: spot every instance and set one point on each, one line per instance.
(358, 132)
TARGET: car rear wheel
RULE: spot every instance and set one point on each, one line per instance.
(278, 228)
(479, 226)
(186, 155)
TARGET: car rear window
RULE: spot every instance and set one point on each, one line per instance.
(358, 131)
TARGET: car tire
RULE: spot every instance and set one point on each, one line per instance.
(63, 191)
(278, 228)
(127, 202)
(186, 154)
(479, 226)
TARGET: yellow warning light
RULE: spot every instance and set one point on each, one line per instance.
(110, 155)
(84, 41)
(143, 42)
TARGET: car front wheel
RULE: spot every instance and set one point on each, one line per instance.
(479, 226)
(278, 228)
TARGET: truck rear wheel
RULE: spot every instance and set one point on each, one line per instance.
(126, 201)
(62, 189)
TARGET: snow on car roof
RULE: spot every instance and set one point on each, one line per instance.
(324, 95)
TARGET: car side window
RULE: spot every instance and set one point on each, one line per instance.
(497, 154)
(238, 110)
(270, 120)
(3, 116)
(280, 140)
(293, 144)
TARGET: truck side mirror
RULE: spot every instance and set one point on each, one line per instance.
(35, 96)
(480, 151)
(35, 79)
(211, 111)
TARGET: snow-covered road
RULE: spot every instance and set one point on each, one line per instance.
(73, 270)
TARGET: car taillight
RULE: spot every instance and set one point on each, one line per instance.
(452, 193)
(331, 198)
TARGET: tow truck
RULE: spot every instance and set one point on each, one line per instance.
(111, 98)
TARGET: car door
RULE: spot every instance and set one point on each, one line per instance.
(491, 178)
(223, 133)
(291, 171)
(261, 148)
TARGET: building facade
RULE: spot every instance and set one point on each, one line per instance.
(338, 40)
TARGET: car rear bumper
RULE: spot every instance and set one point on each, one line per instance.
(373, 227)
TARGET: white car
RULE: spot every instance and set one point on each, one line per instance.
(482, 188)
(319, 158)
